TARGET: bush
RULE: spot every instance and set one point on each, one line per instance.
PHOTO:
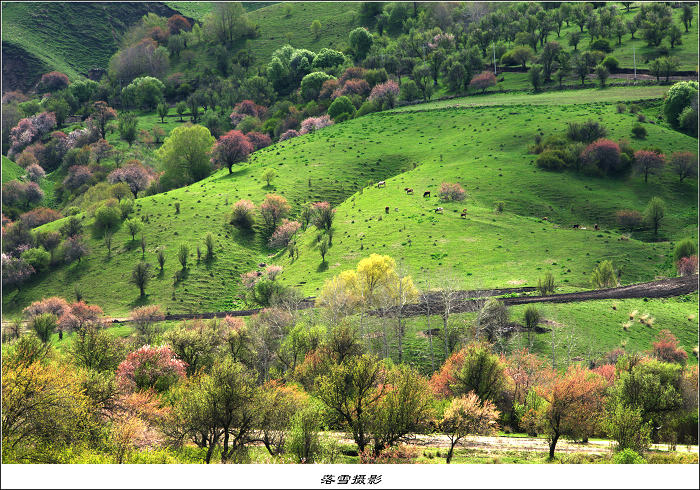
(39, 216)
(409, 91)
(38, 258)
(688, 121)
(303, 439)
(628, 456)
(450, 191)
(629, 219)
(150, 367)
(44, 325)
(284, 233)
(551, 160)
(603, 155)
(546, 284)
(603, 276)
(639, 131)
(687, 265)
(499, 206)
(107, 218)
(680, 96)
(586, 132)
(243, 215)
(601, 45)
(341, 105)
(611, 63)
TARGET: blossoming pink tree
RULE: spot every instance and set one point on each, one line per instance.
(150, 367)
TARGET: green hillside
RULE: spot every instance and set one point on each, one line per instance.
(199, 10)
(484, 148)
(10, 170)
(64, 36)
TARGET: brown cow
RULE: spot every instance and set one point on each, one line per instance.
(577, 227)
(386, 210)
(408, 190)
(595, 227)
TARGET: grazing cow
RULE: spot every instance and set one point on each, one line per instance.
(464, 213)
(577, 227)
(408, 190)
(426, 194)
(381, 183)
(439, 210)
(386, 210)
(595, 227)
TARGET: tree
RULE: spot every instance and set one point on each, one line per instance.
(581, 67)
(666, 348)
(50, 240)
(521, 55)
(219, 407)
(316, 28)
(162, 110)
(184, 154)
(323, 249)
(53, 81)
(242, 215)
(102, 114)
(603, 155)
(481, 372)
(160, 254)
(687, 15)
(341, 105)
(648, 162)
(360, 42)
(535, 76)
(150, 367)
(140, 275)
(134, 226)
(675, 36)
(492, 320)
(44, 325)
(684, 164)
(268, 175)
(627, 428)
(351, 390)
(603, 276)
(482, 81)
(183, 254)
(422, 75)
(548, 58)
(233, 147)
(97, 350)
(654, 213)
(273, 209)
(574, 404)
(145, 320)
(128, 126)
(532, 319)
(44, 409)
(74, 248)
(181, 108)
(602, 73)
(467, 415)
(135, 175)
(574, 39)
(680, 96)
(195, 344)
(653, 387)
(404, 408)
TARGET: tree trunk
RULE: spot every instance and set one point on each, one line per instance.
(553, 445)
(445, 335)
(400, 332)
(448, 459)
(224, 452)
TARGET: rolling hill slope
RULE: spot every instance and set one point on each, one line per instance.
(484, 148)
(70, 37)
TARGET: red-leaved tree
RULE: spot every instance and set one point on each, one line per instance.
(150, 367)
(135, 175)
(52, 81)
(385, 94)
(233, 147)
(648, 162)
(666, 348)
(273, 209)
(482, 81)
(258, 140)
(687, 265)
(603, 154)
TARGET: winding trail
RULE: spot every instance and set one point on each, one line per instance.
(467, 301)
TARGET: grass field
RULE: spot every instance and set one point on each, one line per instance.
(336, 163)
(10, 170)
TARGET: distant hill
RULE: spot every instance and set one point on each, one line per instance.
(69, 37)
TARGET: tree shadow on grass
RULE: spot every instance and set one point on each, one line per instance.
(180, 275)
(139, 301)
(323, 266)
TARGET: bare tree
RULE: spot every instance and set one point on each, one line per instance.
(447, 300)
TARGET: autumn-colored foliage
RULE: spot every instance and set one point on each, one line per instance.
(150, 367)
(666, 348)
(233, 147)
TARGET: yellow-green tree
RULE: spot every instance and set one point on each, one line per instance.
(185, 156)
